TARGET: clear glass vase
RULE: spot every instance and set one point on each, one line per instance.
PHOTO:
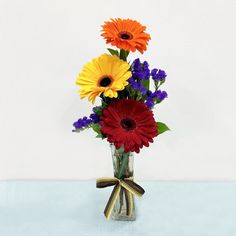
(123, 168)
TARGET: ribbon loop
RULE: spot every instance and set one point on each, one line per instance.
(132, 187)
(129, 187)
(106, 182)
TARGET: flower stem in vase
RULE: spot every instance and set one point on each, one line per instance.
(123, 168)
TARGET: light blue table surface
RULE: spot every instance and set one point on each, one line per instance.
(75, 208)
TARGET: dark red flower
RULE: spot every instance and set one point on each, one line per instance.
(128, 123)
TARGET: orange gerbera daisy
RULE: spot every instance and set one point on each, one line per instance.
(126, 34)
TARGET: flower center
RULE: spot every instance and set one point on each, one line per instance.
(125, 35)
(105, 81)
(128, 124)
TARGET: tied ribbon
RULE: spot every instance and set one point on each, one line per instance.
(127, 185)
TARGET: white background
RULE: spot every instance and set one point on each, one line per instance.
(44, 44)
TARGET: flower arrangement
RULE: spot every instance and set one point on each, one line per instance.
(124, 118)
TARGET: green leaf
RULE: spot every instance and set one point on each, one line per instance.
(100, 136)
(98, 110)
(161, 127)
(113, 52)
(96, 128)
(146, 84)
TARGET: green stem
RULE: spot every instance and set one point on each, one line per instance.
(124, 163)
(124, 54)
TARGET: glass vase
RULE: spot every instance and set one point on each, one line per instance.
(123, 168)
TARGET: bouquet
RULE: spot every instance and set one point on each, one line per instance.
(128, 91)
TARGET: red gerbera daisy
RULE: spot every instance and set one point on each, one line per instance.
(128, 123)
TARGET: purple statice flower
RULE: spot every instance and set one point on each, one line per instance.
(85, 121)
(149, 93)
(133, 83)
(142, 89)
(140, 70)
(153, 72)
(163, 95)
(149, 102)
(137, 65)
(146, 70)
(82, 123)
(153, 96)
(150, 99)
(160, 95)
(94, 117)
(158, 75)
(140, 73)
(136, 85)
(156, 94)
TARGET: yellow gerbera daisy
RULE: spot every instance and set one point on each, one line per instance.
(105, 74)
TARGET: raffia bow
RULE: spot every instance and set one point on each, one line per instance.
(127, 185)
